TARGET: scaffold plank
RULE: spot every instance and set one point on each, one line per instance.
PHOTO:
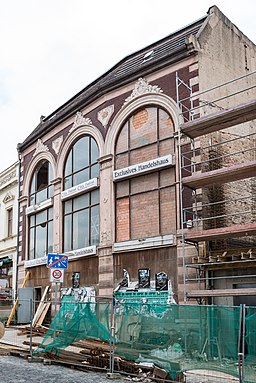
(220, 120)
(223, 175)
(222, 232)
(221, 293)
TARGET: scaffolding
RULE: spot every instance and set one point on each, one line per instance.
(217, 163)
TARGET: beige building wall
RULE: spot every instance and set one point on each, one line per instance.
(8, 226)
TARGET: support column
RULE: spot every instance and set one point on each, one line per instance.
(107, 227)
(57, 217)
(57, 241)
(22, 241)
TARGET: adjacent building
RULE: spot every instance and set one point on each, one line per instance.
(8, 231)
(101, 177)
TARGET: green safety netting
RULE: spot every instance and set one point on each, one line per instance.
(174, 337)
(74, 322)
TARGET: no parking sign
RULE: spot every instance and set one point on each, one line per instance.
(57, 275)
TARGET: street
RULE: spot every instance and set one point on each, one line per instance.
(18, 370)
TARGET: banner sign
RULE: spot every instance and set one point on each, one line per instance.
(143, 167)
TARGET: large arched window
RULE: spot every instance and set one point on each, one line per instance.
(40, 187)
(41, 218)
(81, 164)
(145, 200)
(81, 211)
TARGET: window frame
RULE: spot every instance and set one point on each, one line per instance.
(48, 223)
(89, 167)
(75, 172)
(9, 212)
(35, 193)
(129, 152)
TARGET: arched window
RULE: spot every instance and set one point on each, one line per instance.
(41, 222)
(81, 212)
(81, 164)
(145, 200)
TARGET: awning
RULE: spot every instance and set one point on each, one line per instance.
(4, 261)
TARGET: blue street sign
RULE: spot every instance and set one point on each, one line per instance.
(57, 261)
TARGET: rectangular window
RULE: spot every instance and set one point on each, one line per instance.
(9, 222)
(81, 221)
(41, 234)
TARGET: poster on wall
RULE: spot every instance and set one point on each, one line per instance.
(76, 280)
(81, 294)
(161, 281)
(144, 278)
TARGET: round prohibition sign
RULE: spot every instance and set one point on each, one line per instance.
(57, 274)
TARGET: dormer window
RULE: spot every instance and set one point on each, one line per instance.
(148, 56)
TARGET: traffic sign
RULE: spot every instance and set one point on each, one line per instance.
(57, 275)
(57, 261)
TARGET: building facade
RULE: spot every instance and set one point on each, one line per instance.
(100, 176)
(8, 230)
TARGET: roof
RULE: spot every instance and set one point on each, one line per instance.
(153, 57)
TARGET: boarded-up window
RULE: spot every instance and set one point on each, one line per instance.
(145, 204)
(123, 219)
(144, 215)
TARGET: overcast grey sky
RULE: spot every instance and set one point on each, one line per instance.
(51, 49)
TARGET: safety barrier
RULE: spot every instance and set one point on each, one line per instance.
(162, 341)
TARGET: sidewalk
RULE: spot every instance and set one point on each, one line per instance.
(18, 370)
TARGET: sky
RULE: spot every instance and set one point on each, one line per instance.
(52, 49)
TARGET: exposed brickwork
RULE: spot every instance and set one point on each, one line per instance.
(122, 141)
(167, 177)
(167, 207)
(145, 130)
(144, 215)
(143, 154)
(122, 161)
(144, 183)
(140, 118)
(123, 220)
(166, 147)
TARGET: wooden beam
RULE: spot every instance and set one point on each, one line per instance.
(40, 307)
(220, 120)
(219, 233)
(223, 175)
(43, 313)
(16, 302)
(221, 293)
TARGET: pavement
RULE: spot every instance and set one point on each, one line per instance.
(19, 370)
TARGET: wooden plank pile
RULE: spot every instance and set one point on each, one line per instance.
(93, 355)
(36, 331)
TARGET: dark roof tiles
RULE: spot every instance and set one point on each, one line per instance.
(136, 64)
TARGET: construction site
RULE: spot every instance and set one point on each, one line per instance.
(141, 333)
(217, 174)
